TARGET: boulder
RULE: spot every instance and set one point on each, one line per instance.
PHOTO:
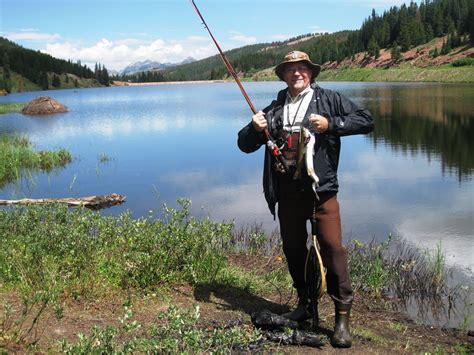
(43, 105)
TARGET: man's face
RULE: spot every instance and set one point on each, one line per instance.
(297, 76)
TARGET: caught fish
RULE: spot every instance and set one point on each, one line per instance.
(301, 151)
(309, 152)
(305, 154)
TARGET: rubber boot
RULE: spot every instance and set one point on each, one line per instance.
(304, 309)
(342, 335)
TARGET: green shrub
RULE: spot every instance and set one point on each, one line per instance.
(178, 332)
(463, 62)
(46, 248)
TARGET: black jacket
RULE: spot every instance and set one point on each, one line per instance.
(344, 117)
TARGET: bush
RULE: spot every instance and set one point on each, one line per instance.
(463, 62)
(82, 252)
(177, 333)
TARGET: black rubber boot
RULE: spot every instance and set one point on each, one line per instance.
(342, 335)
(304, 310)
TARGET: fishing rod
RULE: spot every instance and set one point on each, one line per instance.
(271, 145)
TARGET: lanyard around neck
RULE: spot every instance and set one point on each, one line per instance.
(297, 110)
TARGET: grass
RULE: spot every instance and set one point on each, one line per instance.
(19, 157)
(178, 333)
(444, 73)
(50, 255)
(10, 107)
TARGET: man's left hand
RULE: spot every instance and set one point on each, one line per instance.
(319, 123)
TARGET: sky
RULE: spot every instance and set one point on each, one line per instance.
(117, 33)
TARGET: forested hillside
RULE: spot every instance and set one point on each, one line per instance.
(43, 70)
(395, 32)
(398, 29)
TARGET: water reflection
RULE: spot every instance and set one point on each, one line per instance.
(431, 119)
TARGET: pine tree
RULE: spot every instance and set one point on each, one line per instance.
(373, 48)
(56, 81)
(395, 52)
(104, 77)
(404, 37)
(43, 80)
(7, 81)
(470, 21)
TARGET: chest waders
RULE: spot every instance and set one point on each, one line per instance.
(314, 273)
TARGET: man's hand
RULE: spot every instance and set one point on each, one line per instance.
(259, 122)
(319, 123)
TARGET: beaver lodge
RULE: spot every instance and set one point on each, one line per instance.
(43, 105)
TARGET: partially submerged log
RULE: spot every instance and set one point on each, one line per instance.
(93, 202)
(43, 105)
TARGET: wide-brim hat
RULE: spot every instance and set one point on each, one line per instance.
(297, 56)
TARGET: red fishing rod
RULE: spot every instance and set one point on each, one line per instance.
(271, 145)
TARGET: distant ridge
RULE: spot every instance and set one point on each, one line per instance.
(149, 65)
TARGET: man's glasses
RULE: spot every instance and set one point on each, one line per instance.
(297, 69)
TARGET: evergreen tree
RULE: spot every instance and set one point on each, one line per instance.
(395, 52)
(470, 21)
(43, 80)
(56, 81)
(373, 48)
(446, 47)
(7, 81)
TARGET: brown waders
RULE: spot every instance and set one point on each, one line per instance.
(295, 207)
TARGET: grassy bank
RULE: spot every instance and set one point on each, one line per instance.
(177, 284)
(10, 107)
(446, 74)
(18, 157)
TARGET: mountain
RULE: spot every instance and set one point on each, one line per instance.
(400, 31)
(149, 65)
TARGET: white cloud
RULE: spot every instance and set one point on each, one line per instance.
(32, 35)
(317, 29)
(118, 54)
(280, 37)
(241, 38)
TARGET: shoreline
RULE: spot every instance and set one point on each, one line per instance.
(123, 83)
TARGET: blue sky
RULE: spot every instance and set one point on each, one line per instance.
(119, 32)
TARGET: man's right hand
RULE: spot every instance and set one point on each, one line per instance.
(259, 122)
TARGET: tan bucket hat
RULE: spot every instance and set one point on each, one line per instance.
(297, 56)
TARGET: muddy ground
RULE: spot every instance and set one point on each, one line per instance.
(375, 328)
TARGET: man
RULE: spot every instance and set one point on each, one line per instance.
(327, 115)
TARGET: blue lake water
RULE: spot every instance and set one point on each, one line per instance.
(412, 177)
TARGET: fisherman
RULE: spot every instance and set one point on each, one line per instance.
(305, 107)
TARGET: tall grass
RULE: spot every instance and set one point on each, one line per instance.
(10, 107)
(408, 276)
(81, 252)
(18, 156)
(50, 254)
(445, 73)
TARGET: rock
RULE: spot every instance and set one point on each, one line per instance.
(43, 105)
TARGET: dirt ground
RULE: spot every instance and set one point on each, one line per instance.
(375, 328)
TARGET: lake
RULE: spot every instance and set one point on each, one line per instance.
(411, 178)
